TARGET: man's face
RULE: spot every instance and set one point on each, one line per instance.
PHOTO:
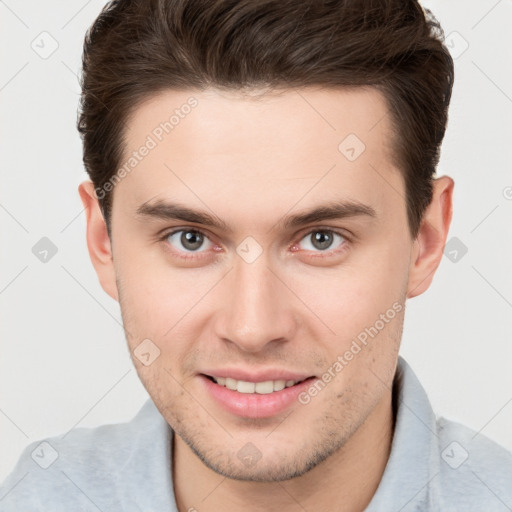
(259, 299)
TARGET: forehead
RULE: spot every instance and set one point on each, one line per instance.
(223, 119)
(255, 149)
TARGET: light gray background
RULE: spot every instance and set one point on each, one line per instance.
(64, 361)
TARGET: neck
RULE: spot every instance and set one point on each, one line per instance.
(349, 477)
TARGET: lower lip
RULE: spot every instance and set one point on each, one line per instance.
(254, 405)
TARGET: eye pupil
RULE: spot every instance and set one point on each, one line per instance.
(321, 239)
(191, 240)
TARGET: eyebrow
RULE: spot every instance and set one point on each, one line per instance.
(162, 210)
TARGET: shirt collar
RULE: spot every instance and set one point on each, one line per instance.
(414, 460)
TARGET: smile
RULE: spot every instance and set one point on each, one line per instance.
(262, 388)
(261, 399)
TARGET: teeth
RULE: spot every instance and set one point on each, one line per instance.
(266, 387)
(279, 384)
(231, 384)
(245, 387)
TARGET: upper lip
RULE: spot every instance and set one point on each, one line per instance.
(256, 376)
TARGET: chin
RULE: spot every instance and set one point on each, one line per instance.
(252, 465)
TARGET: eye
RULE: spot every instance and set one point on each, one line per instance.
(322, 240)
(190, 240)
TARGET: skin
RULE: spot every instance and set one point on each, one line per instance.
(251, 161)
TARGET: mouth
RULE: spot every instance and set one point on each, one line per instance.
(262, 388)
(258, 399)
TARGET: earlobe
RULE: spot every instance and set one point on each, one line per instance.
(98, 241)
(428, 247)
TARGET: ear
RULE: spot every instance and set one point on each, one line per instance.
(429, 245)
(98, 241)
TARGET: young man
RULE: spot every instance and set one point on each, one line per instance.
(262, 205)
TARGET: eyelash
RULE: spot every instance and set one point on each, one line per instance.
(321, 254)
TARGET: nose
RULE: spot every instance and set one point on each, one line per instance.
(256, 308)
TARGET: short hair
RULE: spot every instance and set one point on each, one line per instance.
(138, 48)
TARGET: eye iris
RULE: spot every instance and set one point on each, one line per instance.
(191, 240)
(321, 239)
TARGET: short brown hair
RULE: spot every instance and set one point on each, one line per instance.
(137, 48)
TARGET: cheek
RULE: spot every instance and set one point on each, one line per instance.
(158, 304)
(352, 296)
(155, 294)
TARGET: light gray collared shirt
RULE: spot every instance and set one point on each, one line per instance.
(434, 465)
